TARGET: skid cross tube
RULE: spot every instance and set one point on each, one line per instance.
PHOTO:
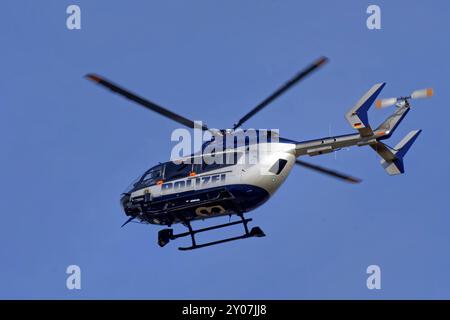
(191, 232)
(244, 223)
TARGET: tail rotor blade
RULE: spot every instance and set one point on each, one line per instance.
(384, 103)
(423, 93)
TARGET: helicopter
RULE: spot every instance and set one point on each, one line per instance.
(192, 188)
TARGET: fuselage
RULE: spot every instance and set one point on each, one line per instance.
(190, 189)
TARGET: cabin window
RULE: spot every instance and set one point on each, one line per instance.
(278, 166)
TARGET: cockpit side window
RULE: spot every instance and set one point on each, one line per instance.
(174, 171)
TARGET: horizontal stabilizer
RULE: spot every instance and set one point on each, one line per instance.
(392, 158)
(357, 116)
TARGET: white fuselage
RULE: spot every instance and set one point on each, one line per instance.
(253, 168)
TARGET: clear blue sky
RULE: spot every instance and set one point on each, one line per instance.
(70, 148)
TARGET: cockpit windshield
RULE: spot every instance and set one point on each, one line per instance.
(150, 177)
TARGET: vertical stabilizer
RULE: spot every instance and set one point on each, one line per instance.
(357, 116)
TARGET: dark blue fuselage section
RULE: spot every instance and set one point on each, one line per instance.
(193, 205)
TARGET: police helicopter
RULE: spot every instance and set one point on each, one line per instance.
(192, 188)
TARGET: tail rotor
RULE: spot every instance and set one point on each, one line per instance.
(417, 94)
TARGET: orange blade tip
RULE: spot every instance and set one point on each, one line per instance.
(378, 103)
(93, 77)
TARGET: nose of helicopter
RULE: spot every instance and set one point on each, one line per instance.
(124, 201)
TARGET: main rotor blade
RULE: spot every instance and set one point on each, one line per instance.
(143, 102)
(328, 171)
(299, 76)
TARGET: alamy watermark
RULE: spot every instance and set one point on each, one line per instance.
(374, 279)
(373, 22)
(73, 281)
(214, 146)
(73, 21)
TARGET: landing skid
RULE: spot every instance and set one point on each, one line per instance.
(165, 235)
